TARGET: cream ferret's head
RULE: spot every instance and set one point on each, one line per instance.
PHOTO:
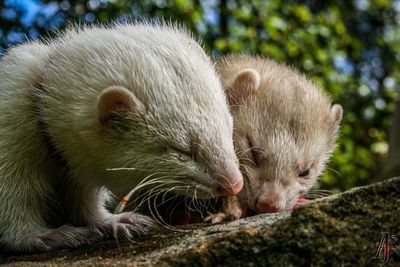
(144, 97)
(285, 129)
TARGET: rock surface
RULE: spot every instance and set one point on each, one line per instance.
(341, 230)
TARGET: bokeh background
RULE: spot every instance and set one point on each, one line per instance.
(350, 48)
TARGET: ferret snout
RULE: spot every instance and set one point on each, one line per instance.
(231, 189)
(230, 185)
(271, 203)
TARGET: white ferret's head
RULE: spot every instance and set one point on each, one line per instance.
(284, 130)
(157, 107)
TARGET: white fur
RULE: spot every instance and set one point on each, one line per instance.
(59, 84)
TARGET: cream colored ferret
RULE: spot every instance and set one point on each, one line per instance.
(285, 129)
(137, 96)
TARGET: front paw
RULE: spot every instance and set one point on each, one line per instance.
(127, 225)
(221, 217)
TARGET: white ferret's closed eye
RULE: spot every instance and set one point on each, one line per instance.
(182, 155)
(305, 173)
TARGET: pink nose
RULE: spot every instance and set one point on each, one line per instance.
(232, 189)
(266, 207)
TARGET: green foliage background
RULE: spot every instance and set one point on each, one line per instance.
(349, 48)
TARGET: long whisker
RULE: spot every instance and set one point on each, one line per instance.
(159, 218)
(334, 171)
(121, 169)
(124, 201)
(162, 182)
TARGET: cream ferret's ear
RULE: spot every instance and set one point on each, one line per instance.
(117, 101)
(336, 113)
(245, 84)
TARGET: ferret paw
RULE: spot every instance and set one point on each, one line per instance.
(221, 217)
(128, 225)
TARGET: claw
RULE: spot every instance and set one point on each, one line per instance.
(127, 225)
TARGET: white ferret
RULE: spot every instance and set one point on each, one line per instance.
(137, 96)
(285, 129)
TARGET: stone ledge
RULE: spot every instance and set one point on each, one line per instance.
(341, 230)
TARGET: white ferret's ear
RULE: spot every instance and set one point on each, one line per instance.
(245, 84)
(117, 100)
(336, 113)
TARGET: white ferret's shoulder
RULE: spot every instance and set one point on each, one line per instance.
(24, 60)
(20, 68)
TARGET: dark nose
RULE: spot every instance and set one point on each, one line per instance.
(231, 189)
(267, 207)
